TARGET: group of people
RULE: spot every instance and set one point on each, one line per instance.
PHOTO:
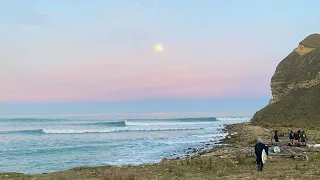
(298, 138)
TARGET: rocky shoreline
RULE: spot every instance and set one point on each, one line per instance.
(193, 152)
(230, 158)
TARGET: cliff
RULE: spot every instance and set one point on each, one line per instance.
(295, 88)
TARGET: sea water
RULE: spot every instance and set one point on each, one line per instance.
(43, 143)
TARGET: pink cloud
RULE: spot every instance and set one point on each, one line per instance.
(147, 75)
(117, 82)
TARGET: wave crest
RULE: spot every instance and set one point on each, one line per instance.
(157, 123)
(88, 131)
(233, 118)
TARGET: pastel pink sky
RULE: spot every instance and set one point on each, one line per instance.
(179, 71)
(106, 54)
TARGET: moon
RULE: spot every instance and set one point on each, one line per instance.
(159, 48)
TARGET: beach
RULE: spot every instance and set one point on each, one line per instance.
(232, 159)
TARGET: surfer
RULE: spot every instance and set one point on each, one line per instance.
(258, 149)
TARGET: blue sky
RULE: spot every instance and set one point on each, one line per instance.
(98, 56)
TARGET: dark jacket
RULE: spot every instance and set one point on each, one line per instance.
(276, 137)
(291, 135)
(297, 136)
(258, 149)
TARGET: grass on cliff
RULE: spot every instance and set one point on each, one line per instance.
(299, 109)
(312, 41)
(296, 67)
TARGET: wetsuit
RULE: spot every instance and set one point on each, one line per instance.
(258, 150)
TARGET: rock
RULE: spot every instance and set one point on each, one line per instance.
(164, 160)
(202, 153)
(223, 157)
(208, 144)
(295, 88)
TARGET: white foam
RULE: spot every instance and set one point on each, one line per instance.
(76, 131)
(212, 135)
(157, 123)
(233, 118)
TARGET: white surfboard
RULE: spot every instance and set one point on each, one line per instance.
(264, 156)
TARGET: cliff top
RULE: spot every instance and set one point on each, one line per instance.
(295, 88)
(312, 41)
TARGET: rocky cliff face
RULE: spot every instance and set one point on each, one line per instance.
(295, 87)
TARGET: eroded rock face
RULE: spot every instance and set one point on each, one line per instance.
(281, 89)
(298, 73)
(301, 69)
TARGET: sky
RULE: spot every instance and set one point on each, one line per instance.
(98, 56)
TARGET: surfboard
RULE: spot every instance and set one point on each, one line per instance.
(264, 156)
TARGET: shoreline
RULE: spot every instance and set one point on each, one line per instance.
(175, 143)
(230, 159)
(191, 152)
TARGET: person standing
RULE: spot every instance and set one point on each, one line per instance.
(297, 137)
(276, 137)
(291, 137)
(258, 148)
(303, 138)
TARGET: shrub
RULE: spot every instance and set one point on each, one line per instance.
(61, 176)
(240, 157)
(118, 175)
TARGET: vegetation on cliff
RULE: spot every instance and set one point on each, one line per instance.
(295, 88)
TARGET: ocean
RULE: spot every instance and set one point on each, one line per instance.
(46, 143)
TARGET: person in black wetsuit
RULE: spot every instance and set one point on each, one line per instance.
(258, 150)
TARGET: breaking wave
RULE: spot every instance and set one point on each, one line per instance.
(233, 118)
(85, 131)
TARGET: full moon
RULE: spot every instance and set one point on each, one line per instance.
(159, 48)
